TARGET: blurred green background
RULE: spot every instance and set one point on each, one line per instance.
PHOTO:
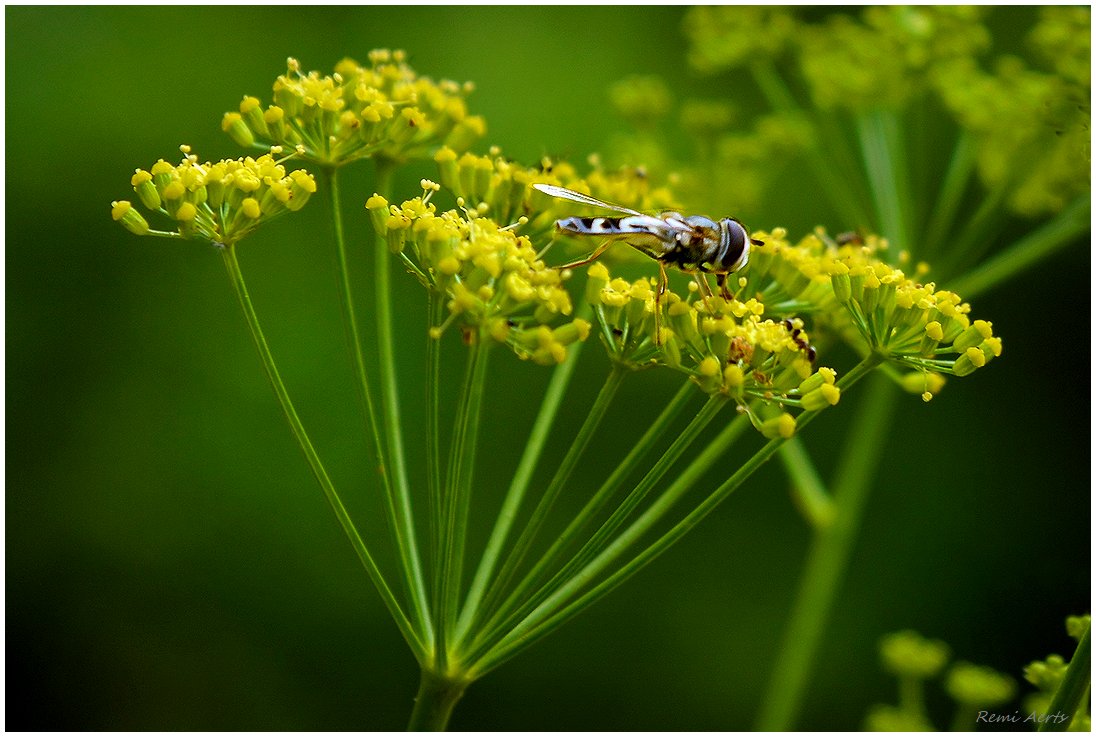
(171, 563)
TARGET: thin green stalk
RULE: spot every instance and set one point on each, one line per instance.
(1071, 692)
(433, 446)
(544, 621)
(559, 480)
(434, 703)
(526, 596)
(458, 490)
(956, 181)
(519, 484)
(842, 191)
(829, 558)
(808, 491)
(409, 555)
(884, 154)
(396, 505)
(314, 462)
(1064, 229)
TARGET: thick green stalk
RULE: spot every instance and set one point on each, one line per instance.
(238, 284)
(829, 558)
(434, 703)
(519, 484)
(458, 491)
(559, 480)
(1071, 692)
(397, 503)
(544, 620)
(1063, 230)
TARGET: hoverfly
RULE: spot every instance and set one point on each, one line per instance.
(692, 244)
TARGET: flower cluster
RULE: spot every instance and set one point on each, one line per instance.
(723, 345)
(491, 278)
(1030, 119)
(875, 306)
(384, 109)
(221, 202)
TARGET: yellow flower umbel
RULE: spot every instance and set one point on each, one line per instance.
(493, 283)
(724, 346)
(857, 297)
(384, 109)
(221, 202)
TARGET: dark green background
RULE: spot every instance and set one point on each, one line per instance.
(171, 563)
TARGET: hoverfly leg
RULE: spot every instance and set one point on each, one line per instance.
(589, 259)
(663, 280)
(721, 282)
(705, 290)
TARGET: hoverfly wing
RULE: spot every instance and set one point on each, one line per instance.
(563, 193)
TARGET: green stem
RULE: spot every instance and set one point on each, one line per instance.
(841, 191)
(1071, 692)
(559, 480)
(519, 485)
(808, 491)
(397, 505)
(409, 554)
(1063, 230)
(433, 447)
(828, 559)
(956, 181)
(238, 284)
(885, 161)
(544, 621)
(434, 703)
(526, 597)
(458, 489)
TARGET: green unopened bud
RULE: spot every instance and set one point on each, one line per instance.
(972, 359)
(145, 189)
(378, 214)
(233, 124)
(824, 396)
(973, 335)
(781, 426)
(123, 212)
(448, 171)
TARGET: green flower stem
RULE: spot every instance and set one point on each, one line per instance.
(458, 490)
(399, 512)
(524, 598)
(544, 620)
(559, 480)
(808, 491)
(238, 284)
(435, 307)
(519, 485)
(434, 703)
(960, 169)
(1063, 230)
(1069, 698)
(842, 191)
(828, 558)
(409, 553)
(885, 160)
